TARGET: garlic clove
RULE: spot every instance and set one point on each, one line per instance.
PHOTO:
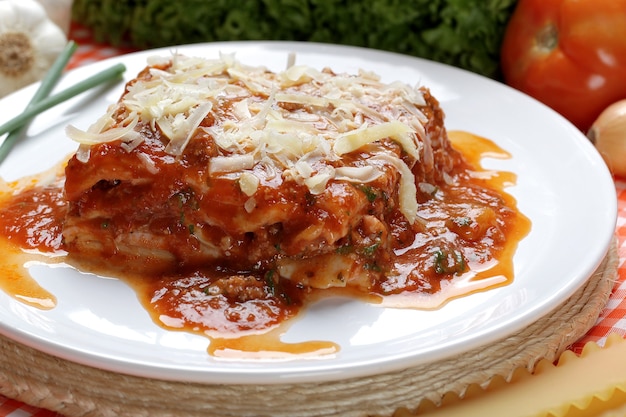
(59, 11)
(9, 16)
(28, 16)
(608, 134)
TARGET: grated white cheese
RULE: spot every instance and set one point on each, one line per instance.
(248, 182)
(110, 135)
(355, 139)
(361, 175)
(183, 134)
(231, 163)
(408, 190)
(300, 122)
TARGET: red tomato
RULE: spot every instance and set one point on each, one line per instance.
(569, 54)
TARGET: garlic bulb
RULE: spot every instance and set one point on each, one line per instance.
(608, 134)
(29, 43)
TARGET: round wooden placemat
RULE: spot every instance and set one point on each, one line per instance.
(73, 389)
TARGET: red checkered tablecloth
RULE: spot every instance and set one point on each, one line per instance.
(612, 319)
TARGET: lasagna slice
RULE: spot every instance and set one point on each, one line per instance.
(211, 164)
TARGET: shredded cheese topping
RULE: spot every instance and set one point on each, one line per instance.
(300, 122)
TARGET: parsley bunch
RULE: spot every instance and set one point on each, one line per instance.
(463, 33)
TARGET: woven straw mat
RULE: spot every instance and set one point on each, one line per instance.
(73, 389)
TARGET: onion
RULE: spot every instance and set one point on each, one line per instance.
(608, 134)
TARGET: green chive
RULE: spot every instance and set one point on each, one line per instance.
(106, 75)
(47, 84)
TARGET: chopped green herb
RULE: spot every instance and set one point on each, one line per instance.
(370, 250)
(442, 262)
(370, 192)
(269, 281)
(344, 250)
(460, 262)
(373, 267)
(440, 258)
(286, 297)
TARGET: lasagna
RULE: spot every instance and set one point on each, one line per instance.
(229, 195)
(236, 193)
(314, 175)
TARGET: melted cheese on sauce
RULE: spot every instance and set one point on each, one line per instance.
(335, 114)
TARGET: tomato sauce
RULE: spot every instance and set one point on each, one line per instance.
(466, 244)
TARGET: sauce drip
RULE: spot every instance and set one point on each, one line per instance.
(268, 346)
(480, 276)
(250, 324)
(17, 282)
(30, 231)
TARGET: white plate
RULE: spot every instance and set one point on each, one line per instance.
(563, 187)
